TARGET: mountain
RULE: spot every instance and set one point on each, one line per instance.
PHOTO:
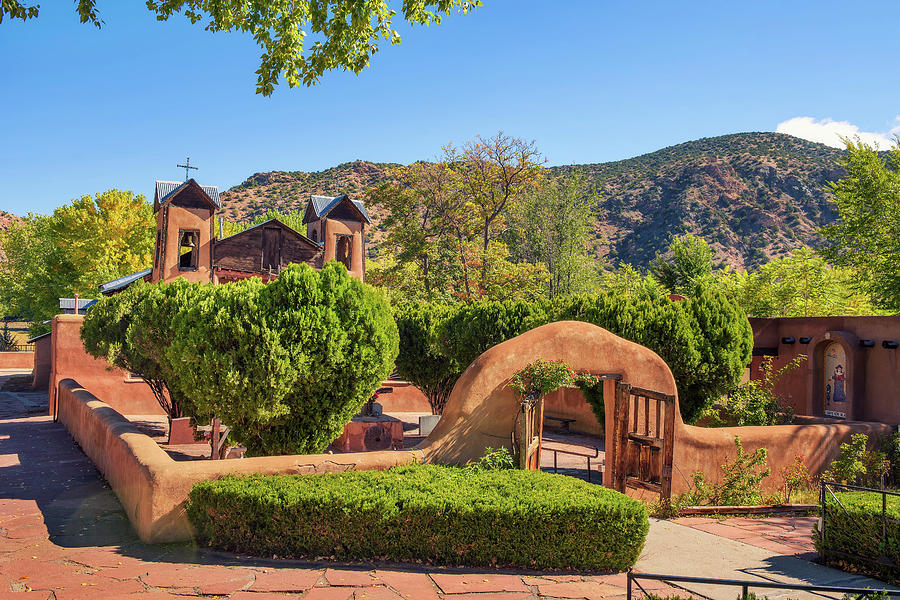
(752, 196)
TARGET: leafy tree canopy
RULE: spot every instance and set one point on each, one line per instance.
(346, 33)
(866, 235)
(74, 250)
(687, 261)
(801, 284)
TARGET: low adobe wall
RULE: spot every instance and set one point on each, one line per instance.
(41, 373)
(405, 397)
(482, 409)
(16, 360)
(152, 487)
(569, 403)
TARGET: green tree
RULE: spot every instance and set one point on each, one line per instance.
(74, 250)
(420, 360)
(286, 364)
(800, 284)
(866, 235)
(553, 227)
(132, 330)
(422, 215)
(347, 32)
(493, 176)
(687, 261)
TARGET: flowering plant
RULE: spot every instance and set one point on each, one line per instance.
(542, 376)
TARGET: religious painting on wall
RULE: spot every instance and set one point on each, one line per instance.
(837, 397)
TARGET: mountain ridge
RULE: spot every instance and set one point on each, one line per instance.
(753, 196)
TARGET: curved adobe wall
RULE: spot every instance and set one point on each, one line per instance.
(482, 409)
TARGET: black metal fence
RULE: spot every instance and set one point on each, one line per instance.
(19, 348)
(634, 579)
(831, 506)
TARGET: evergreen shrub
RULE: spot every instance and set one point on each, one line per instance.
(705, 339)
(436, 514)
(286, 364)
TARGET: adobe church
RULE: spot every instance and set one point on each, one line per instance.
(187, 245)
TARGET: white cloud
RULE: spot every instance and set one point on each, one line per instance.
(830, 132)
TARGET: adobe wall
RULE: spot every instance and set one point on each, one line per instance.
(357, 254)
(41, 373)
(872, 375)
(153, 488)
(569, 403)
(405, 397)
(16, 360)
(70, 361)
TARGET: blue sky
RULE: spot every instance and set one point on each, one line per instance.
(85, 110)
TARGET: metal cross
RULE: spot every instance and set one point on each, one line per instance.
(186, 168)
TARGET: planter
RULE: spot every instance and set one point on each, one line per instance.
(427, 423)
(761, 509)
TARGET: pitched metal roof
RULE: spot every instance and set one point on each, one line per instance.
(122, 282)
(322, 205)
(165, 189)
(37, 337)
(288, 227)
(83, 303)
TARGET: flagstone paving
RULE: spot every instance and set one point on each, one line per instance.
(64, 536)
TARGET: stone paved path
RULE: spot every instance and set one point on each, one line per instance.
(788, 536)
(63, 535)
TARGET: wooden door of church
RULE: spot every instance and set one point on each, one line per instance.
(643, 440)
(271, 250)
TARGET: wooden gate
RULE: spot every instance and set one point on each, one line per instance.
(643, 440)
(528, 433)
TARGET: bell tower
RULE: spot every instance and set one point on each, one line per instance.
(185, 231)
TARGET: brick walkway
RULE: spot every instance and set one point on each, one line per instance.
(788, 536)
(63, 535)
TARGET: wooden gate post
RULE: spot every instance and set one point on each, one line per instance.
(665, 475)
(620, 436)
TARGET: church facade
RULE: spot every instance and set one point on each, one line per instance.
(187, 245)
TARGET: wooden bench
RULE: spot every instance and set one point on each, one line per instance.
(563, 422)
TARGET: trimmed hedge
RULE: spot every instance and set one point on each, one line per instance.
(437, 514)
(857, 531)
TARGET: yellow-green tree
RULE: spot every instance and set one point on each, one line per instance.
(74, 250)
(866, 235)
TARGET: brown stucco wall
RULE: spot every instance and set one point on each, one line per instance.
(482, 409)
(153, 488)
(405, 397)
(69, 360)
(874, 373)
(41, 374)
(569, 403)
(357, 259)
(16, 360)
(169, 220)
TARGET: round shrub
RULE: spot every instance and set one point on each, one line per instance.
(285, 364)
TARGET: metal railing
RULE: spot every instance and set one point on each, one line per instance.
(828, 488)
(633, 579)
(19, 348)
(556, 451)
